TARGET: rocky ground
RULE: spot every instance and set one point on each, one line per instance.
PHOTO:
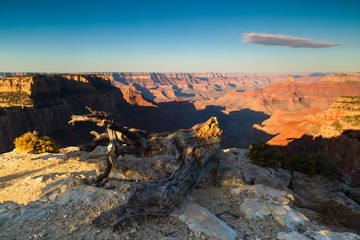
(51, 196)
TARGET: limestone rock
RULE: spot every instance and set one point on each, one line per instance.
(263, 194)
(271, 182)
(283, 214)
(291, 236)
(200, 220)
(317, 190)
(252, 173)
(71, 190)
(231, 178)
(329, 235)
(354, 194)
(89, 195)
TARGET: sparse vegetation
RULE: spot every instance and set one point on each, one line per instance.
(353, 120)
(301, 164)
(265, 155)
(316, 163)
(351, 104)
(319, 163)
(18, 98)
(32, 142)
(338, 127)
(314, 129)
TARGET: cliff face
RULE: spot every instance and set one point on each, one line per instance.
(54, 84)
(290, 95)
(335, 131)
(163, 87)
(56, 98)
(136, 98)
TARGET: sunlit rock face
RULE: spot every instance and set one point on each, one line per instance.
(163, 87)
(290, 95)
(55, 98)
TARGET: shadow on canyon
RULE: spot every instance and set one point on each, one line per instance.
(343, 150)
(170, 116)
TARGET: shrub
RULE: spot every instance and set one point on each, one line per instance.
(265, 155)
(338, 127)
(323, 165)
(32, 142)
(313, 163)
(16, 98)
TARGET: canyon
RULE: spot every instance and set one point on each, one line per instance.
(277, 108)
(55, 98)
(163, 87)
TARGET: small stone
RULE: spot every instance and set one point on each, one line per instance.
(134, 223)
(133, 230)
(98, 231)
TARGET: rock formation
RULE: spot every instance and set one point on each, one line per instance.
(55, 98)
(163, 87)
(196, 151)
(334, 131)
(135, 97)
(54, 200)
(290, 95)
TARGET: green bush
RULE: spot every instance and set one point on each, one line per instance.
(301, 164)
(265, 155)
(15, 98)
(32, 142)
(319, 163)
(338, 127)
(323, 165)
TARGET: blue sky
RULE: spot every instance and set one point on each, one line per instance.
(176, 36)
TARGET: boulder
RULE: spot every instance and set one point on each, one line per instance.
(283, 214)
(254, 174)
(317, 190)
(291, 236)
(200, 220)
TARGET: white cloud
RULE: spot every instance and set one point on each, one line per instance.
(286, 41)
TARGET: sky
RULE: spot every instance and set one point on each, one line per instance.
(179, 36)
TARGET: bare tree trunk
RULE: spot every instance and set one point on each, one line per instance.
(196, 150)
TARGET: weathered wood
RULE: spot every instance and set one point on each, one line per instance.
(99, 139)
(196, 150)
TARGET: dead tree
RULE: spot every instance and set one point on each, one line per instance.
(196, 150)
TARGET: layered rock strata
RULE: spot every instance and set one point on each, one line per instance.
(56, 98)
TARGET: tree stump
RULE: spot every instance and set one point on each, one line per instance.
(196, 150)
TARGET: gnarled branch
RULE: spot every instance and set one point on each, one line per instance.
(196, 150)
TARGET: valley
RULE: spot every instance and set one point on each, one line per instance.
(275, 108)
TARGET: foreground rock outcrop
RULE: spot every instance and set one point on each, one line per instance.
(48, 196)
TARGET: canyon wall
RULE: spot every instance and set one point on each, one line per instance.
(289, 95)
(163, 87)
(56, 98)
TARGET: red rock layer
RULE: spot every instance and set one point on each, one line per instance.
(290, 95)
(136, 98)
(163, 87)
